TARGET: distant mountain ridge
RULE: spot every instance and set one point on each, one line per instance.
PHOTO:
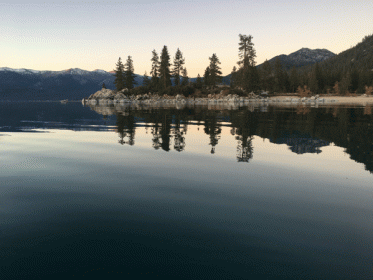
(73, 83)
(302, 57)
(359, 56)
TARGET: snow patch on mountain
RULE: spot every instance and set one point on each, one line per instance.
(99, 71)
(72, 71)
(302, 57)
(20, 71)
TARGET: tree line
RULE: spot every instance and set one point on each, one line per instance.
(331, 76)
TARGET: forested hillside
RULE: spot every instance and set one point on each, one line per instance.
(300, 58)
(349, 72)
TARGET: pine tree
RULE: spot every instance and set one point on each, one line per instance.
(345, 84)
(206, 77)
(215, 73)
(185, 79)
(279, 76)
(179, 61)
(316, 79)
(146, 80)
(249, 79)
(129, 73)
(266, 76)
(155, 71)
(233, 77)
(246, 51)
(199, 82)
(294, 80)
(119, 75)
(164, 69)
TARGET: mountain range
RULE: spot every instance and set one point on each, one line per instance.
(302, 57)
(75, 83)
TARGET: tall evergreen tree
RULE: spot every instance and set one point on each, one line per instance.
(164, 69)
(247, 54)
(266, 76)
(215, 73)
(199, 82)
(146, 80)
(233, 80)
(119, 75)
(179, 61)
(345, 84)
(294, 80)
(129, 73)
(246, 51)
(206, 77)
(185, 79)
(316, 79)
(155, 71)
(279, 76)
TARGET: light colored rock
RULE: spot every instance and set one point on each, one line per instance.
(120, 96)
(179, 97)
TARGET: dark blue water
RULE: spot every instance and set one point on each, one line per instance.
(185, 194)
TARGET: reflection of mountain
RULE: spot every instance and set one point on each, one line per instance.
(25, 116)
(301, 143)
(350, 128)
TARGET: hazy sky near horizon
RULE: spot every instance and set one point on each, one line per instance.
(94, 34)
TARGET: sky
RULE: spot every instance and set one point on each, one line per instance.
(91, 35)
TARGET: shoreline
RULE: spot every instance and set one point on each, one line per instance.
(363, 100)
(122, 98)
(231, 100)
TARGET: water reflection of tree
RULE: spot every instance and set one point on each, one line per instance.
(245, 124)
(303, 110)
(161, 129)
(178, 131)
(367, 110)
(156, 136)
(213, 129)
(155, 130)
(351, 128)
(165, 131)
(126, 127)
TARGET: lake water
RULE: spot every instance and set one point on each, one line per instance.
(193, 193)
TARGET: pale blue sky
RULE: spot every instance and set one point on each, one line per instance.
(93, 34)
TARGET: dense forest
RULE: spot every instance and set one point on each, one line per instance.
(350, 72)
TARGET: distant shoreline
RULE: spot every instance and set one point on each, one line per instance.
(272, 100)
(364, 100)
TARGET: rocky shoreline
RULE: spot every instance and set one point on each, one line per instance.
(109, 97)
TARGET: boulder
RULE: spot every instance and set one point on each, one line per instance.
(102, 94)
(125, 90)
(119, 96)
(179, 97)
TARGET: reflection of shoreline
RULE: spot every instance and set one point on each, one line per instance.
(302, 129)
(353, 100)
(108, 110)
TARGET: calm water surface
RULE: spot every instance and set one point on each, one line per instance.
(193, 193)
